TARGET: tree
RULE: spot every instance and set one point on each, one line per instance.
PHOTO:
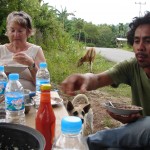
(91, 32)
(63, 16)
(106, 36)
(123, 28)
(78, 28)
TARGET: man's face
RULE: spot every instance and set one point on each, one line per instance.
(141, 45)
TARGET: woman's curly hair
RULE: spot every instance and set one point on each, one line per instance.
(137, 21)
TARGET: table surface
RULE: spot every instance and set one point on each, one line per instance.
(59, 110)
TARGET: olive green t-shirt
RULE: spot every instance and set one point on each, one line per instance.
(129, 72)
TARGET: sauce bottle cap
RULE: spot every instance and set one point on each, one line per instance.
(45, 87)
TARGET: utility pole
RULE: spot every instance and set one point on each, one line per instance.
(140, 3)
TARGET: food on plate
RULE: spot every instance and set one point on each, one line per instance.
(122, 109)
(127, 107)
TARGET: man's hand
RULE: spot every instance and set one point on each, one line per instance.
(125, 118)
(74, 83)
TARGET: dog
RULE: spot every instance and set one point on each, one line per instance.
(82, 111)
(88, 57)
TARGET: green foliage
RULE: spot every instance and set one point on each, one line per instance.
(64, 63)
(127, 47)
(106, 37)
(122, 90)
(107, 122)
(90, 44)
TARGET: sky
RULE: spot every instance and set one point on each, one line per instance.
(103, 11)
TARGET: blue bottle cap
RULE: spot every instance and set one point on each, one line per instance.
(2, 68)
(13, 76)
(43, 65)
(71, 125)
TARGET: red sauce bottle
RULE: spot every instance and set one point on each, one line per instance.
(45, 118)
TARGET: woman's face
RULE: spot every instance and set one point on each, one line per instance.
(16, 33)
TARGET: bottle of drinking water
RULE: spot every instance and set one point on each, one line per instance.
(70, 137)
(14, 100)
(3, 82)
(42, 76)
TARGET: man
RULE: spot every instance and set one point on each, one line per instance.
(135, 134)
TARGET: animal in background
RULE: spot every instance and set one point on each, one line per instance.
(88, 57)
(81, 108)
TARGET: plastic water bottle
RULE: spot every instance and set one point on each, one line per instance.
(42, 77)
(3, 82)
(70, 137)
(14, 100)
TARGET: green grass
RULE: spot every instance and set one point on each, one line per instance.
(127, 47)
(62, 64)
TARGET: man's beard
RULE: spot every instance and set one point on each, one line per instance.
(144, 56)
(144, 65)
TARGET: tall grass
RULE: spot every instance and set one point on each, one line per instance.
(64, 63)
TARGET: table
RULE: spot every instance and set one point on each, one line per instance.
(59, 110)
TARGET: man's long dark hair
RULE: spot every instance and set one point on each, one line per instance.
(137, 21)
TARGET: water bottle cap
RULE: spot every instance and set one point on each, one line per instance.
(43, 65)
(2, 68)
(13, 76)
(71, 124)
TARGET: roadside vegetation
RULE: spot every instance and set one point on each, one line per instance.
(63, 64)
(63, 40)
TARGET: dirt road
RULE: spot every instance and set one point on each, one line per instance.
(114, 54)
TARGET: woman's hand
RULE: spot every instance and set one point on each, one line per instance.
(23, 58)
(125, 118)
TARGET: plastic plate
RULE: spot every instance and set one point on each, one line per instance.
(54, 100)
(122, 109)
(15, 69)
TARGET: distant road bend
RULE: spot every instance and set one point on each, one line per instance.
(114, 54)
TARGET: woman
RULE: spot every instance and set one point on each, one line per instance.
(19, 52)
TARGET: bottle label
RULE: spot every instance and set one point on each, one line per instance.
(2, 87)
(14, 101)
(39, 82)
